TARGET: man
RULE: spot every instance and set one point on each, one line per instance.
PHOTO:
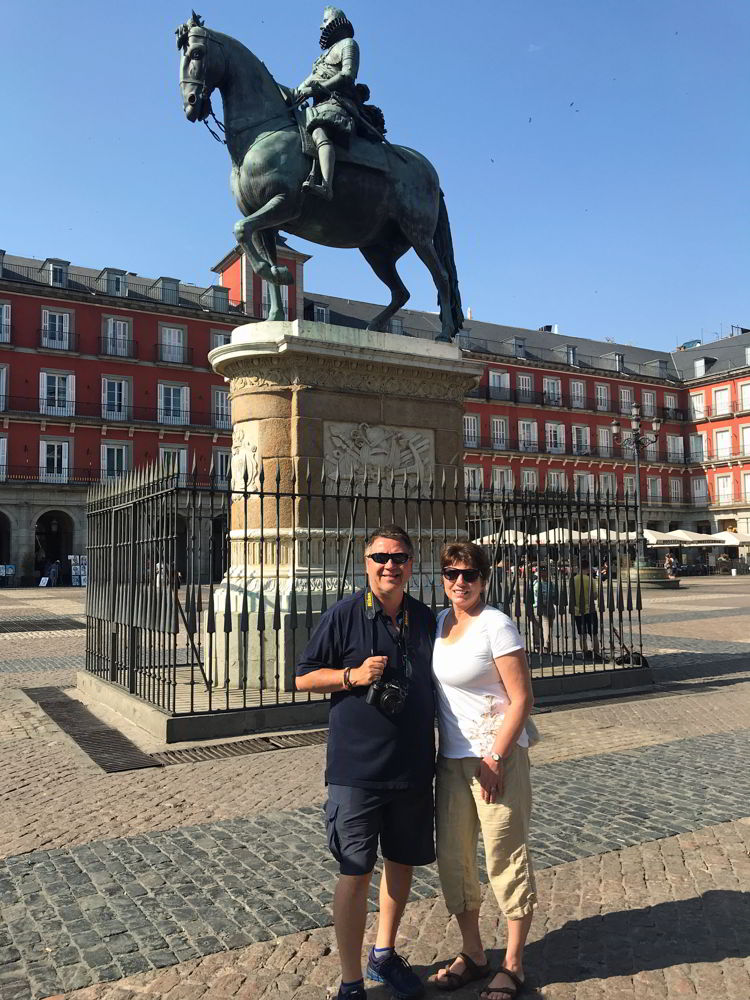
(331, 86)
(584, 594)
(380, 761)
(544, 602)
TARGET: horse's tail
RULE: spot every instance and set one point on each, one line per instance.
(443, 242)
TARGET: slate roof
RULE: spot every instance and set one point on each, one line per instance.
(727, 354)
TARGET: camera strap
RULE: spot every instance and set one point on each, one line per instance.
(402, 640)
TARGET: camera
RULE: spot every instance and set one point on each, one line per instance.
(390, 695)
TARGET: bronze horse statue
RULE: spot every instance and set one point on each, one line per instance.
(383, 212)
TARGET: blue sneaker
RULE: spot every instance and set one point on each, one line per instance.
(395, 972)
(357, 994)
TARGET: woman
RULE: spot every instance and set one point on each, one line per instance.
(484, 698)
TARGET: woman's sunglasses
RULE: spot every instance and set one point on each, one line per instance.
(383, 557)
(469, 575)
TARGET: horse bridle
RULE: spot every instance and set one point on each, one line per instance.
(205, 95)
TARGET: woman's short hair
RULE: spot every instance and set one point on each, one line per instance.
(466, 552)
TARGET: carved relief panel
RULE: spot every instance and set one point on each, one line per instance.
(375, 450)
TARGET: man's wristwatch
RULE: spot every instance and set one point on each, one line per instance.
(496, 757)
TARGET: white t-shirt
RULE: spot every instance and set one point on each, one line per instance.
(471, 698)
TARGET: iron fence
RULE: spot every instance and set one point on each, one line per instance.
(201, 595)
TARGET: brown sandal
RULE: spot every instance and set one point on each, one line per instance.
(507, 991)
(450, 981)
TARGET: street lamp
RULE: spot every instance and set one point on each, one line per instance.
(638, 442)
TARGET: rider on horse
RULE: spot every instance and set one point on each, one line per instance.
(332, 88)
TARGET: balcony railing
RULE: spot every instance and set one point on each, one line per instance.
(520, 444)
(57, 340)
(136, 290)
(564, 400)
(83, 477)
(114, 347)
(102, 412)
(174, 354)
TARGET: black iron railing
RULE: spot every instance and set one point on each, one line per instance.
(196, 615)
(52, 339)
(116, 348)
(113, 412)
(511, 443)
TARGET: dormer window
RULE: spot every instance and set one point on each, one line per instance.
(619, 362)
(699, 367)
(747, 352)
(518, 345)
(57, 275)
(216, 297)
(570, 354)
(113, 281)
(167, 290)
(320, 313)
(56, 272)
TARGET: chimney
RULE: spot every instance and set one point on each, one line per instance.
(468, 313)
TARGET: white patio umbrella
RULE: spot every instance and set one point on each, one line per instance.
(560, 536)
(601, 535)
(731, 538)
(509, 537)
(658, 538)
(684, 537)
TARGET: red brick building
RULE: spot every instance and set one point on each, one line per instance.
(102, 371)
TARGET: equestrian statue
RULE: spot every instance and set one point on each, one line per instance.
(323, 172)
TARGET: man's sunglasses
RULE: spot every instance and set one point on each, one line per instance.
(399, 558)
(469, 575)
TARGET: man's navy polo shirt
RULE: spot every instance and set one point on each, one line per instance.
(367, 748)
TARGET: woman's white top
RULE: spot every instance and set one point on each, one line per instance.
(471, 698)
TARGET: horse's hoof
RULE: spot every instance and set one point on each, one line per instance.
(281, 275)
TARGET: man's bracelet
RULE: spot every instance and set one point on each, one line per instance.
(347, 679)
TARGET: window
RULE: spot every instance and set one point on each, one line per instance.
(473, 478)
(266, 299)
(221, 409)
(606, 484)
(174, 458)
(396, 325)
(670, 405)
(320, 313)
(471, 430)
(699, 367)
(222, 462)
(114, 459)
(552, 391)
(527, 435)
(5, 323)
(570, 355)
(518, 345)
(116, 284)
(652, 449)
(697, 406)
(529, 479)
(577, 395)
(628, 486)
(3, 458)
(648, 403)
(746, 481)
(3, 387)
(581, 440)
(56, 330)
(220, 337)
(556, 481)
(604, 442)
(114, 398)
(172, 344)
(554, 436)
(745, 396)
(117, 338)
(723, 444)
(653, 487)
(602, 397)
(585, 484)
(619, 362)
(174, 404)
(525, 387)
(697, 447)
(499, 433)
(57, 275)
(626, 399)
(721, 402)
(56, 394)
(502, 479)
(53, 461)
(675, 448)
(723, 489)
(744, 434)
(499, 385)
(700, 488)
(675, 490)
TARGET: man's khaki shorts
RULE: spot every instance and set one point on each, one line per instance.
(461, 813)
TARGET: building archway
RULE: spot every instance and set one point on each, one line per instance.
(53, 542)
(5, 533)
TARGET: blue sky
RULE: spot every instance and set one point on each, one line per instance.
(594, 154)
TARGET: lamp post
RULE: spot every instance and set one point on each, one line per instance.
(638, 442)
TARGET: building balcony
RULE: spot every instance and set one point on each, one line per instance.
(69, 476)
(522, 445)
(57, 340)
(711, 412)
(566, 401)
(114, 347)
(173, 354)
(104, 413)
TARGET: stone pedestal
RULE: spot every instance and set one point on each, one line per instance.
(321, 404)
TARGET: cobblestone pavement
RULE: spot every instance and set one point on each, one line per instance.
(212, 879)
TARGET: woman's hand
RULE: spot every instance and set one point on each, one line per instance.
(490, 775)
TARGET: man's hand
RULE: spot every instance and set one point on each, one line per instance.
(371, 670)
(490, 775)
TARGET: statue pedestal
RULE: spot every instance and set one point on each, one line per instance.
(315, 407)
